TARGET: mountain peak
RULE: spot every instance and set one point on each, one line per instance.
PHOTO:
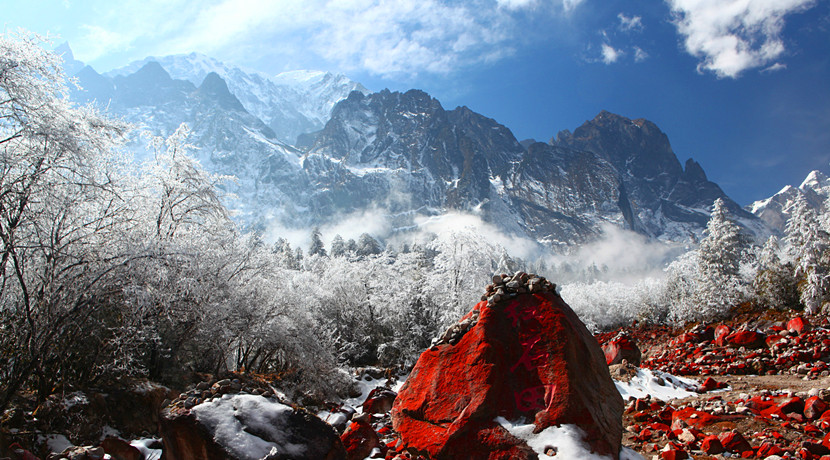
(815, 181)
(216, 88)
(153, 71)
(71, 66)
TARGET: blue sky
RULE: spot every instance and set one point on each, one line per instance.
(742, 86)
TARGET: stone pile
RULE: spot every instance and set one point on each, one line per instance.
(206, 390)
(507, 287)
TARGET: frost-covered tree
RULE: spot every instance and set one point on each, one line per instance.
(808, 245)
(367, 245)
(185, 194)
(316, 248)
(719, 260)
(60, 214)
(774, 285)
(338, 246)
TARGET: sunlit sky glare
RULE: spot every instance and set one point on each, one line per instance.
(741, 86)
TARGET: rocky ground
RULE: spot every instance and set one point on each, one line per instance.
(755, 386)
(777, 395)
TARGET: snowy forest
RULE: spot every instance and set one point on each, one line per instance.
(111, 268)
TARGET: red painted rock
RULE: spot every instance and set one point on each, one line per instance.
(766, 449)
(748, 339)
(359, 439)
(711, 384)
(734, 442)
(622, 347)
(814, 407)
(529, 358)
(798, 325)
(690, 417)
(379, 401)
(721, 332)
(711, 445)
(673, 453)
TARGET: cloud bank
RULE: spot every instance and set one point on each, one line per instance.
(732, 36)
(385, 38)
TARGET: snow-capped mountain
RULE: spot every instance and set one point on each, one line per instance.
(405, 154)
(775, 210)
(290, 103)
(405, 147)
(655, 194)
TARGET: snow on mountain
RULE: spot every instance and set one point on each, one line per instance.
(775, 210)
(291, 103)
(229, 139)
(407, 156)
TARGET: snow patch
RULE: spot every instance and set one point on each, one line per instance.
(234, 418)
(147, 449)
(656, 384)
(56, 443)
(567, 441)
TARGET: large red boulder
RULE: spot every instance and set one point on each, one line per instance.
(622, 347)
(529, 358)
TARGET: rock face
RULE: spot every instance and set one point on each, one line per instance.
(527, 357)
(247, 427)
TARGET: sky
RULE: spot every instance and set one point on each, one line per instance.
(741, 86)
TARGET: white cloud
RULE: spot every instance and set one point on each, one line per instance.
(732, 36)
(639, 54)
(630, 24)
(570, 5)
(98, 41)
(610, 54)
(517, 4)
(775, 67)
(389, 38)
(399, 39)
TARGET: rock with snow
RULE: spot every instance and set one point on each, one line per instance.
(528, 357)
(247, 427)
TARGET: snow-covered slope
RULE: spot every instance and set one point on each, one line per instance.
(291, 103)
(775, 210)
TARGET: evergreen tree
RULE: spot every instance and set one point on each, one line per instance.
(316, 247)
(351, 246)
(719, 261)
(366, 245)
(338, 246)
(808, 247)
(774, 284)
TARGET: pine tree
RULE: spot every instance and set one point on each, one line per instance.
(366, 245)
(774, 285)
(316, 247)
(338, 246)
(719, 261)
(808, 248)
